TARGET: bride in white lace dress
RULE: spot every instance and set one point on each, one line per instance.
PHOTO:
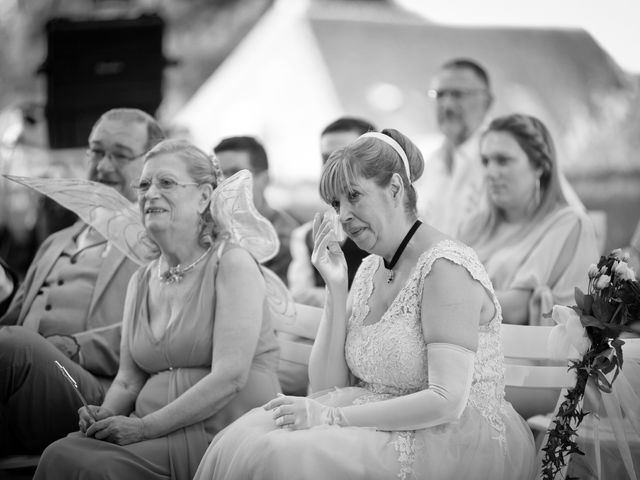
(408, 369)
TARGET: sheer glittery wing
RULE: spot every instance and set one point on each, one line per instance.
(102, 207)
(279, 297)
(118, 220)
(235, 214)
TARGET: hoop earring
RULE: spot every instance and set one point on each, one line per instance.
(536, 194)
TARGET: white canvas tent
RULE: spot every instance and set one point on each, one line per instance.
(308, 62)
(275, 86)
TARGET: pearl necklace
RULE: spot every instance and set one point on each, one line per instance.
(176, 274)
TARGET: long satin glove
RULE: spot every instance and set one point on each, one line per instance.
(450, 375)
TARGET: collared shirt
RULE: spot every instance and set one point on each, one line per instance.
(62, 304)
(449, 197)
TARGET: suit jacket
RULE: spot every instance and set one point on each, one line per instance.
(100, 342)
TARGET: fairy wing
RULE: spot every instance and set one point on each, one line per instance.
(278, 295)
(233, 209)
(102, 207)
(118, 220)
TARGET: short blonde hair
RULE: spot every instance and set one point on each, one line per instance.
(372, 158)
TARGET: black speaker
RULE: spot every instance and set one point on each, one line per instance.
(95, 65)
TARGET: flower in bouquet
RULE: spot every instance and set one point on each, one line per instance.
(589, 332)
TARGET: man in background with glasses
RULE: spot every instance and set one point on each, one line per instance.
(450, 190)
(69, 307)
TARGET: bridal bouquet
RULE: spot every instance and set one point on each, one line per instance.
(590, 332)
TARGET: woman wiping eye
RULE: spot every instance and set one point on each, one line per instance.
(406, 370)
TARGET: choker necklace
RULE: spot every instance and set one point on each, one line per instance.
(396, 256)
(176, 274)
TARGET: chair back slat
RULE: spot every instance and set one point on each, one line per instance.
(535, 376)
(535, 383)
(526, 342)
(527, 363)
(12, 462)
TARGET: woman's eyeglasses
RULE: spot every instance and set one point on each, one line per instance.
(162, 184)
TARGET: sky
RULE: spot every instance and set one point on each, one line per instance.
(615, 24)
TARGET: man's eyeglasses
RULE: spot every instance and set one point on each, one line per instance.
(162, 184)
(454, 93)
(95, 155)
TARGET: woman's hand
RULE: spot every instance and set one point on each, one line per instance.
(67, 344)
(89, 417)
(117, 429)
(300, 413)
(327, 255)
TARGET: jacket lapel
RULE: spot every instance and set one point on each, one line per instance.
(110, 266)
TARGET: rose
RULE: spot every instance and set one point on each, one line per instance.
(603, 282)
(568, 339)
(624, 272)
(593, 271)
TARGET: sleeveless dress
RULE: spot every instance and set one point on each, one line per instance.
(489, 441)
(175, 362)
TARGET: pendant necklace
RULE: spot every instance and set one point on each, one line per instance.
(176, 274)
(396, 256)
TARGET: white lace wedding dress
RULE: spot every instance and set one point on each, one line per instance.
(489, 441)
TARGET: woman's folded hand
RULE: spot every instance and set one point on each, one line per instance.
(117, 429)
(88, 417)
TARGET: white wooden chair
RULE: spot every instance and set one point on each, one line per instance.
(529, 374)
(606, 437)
(295, 337)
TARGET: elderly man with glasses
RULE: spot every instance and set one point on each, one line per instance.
(450, 190)
(69, 307)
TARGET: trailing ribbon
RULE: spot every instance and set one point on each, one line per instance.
(616, 412)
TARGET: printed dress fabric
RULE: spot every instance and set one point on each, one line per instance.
(175, 362)
(489, 441)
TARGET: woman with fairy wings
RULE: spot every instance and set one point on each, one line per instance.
(198, 349)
